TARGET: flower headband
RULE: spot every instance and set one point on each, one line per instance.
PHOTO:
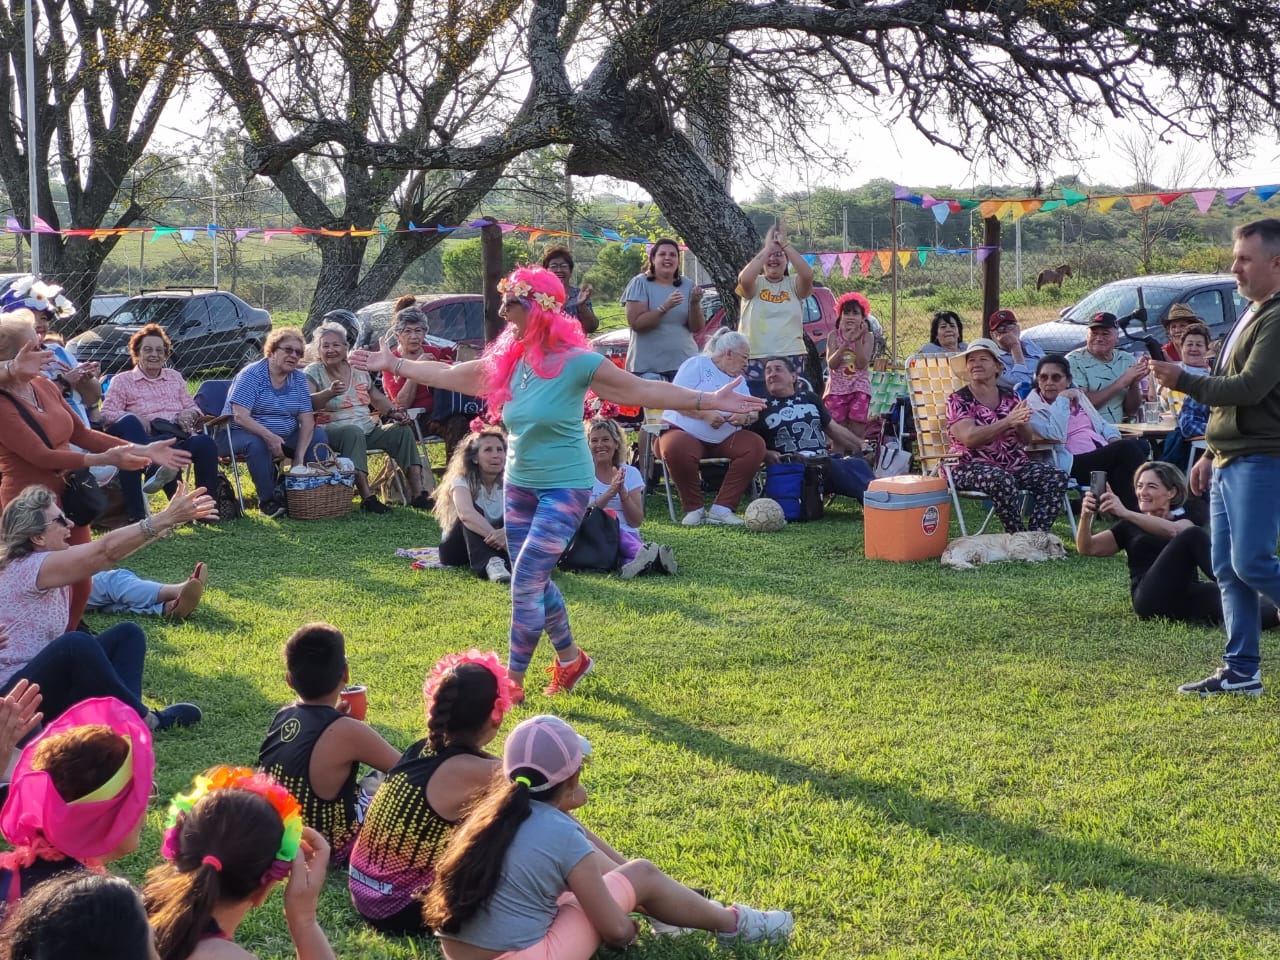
(447, 664)
(240, 778)
(523, 290)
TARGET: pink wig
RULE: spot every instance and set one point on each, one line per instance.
(550, 337)
(853, 297)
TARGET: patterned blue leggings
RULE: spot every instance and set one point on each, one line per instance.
(539, 525)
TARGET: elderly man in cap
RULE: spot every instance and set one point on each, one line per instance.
(1175, 323)
(1109, 377)
(1018, 356)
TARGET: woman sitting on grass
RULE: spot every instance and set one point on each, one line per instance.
(500, 889)
(619, 487)
(469, 506)
(78, 797)
(228, 843)
(80, 916)
(1165, 543)
(38, 564)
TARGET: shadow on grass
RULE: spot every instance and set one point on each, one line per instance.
(1078, 863)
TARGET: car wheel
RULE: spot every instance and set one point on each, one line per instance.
(250, 353)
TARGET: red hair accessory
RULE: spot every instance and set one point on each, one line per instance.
(213, 862)
(447, 664)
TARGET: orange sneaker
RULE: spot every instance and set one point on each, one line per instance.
(564, 679)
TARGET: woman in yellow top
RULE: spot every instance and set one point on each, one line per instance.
(773, 305)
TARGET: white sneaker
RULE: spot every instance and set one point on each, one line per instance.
(724, 517)
(496, 570)
(645, 557)
(661, 929)
(667, 559)
(756, 925)
(693, 518)
(159, 480)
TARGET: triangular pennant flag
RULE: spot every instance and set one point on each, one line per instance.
(1051, 205)
(269, 233)
(1168, 198)
(325, 232)
(1233, 195)
(441, 228)
(42, 227)
(213, 229)
(846, 263)
(506, 227)
(967, 204)
(928, 202)
(1140, 201)
(480, 222)
(983, 253)
(1072, 197)
(864, 260)
(242, 232)
(158, 232)
(1105, 203)
(1267, 192)
(941, 211)
(810, 258)
(827, 260)
(955, 206)
(80, 232)
(103, 234)
(1003, 209)
(383, 228)
(612, 234)
(904, 257)
(988, 208)
(11, 225)
(361, 233)
(1204, 199)
(536, 235)
(885, 257)
(901, 193)
(1019, 209)
(922, 254)
(187, 234)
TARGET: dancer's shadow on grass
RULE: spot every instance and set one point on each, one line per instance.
(1084, 864)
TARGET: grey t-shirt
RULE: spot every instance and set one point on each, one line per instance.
(670, 343)
(535, 872)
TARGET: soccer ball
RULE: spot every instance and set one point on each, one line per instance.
(764, 516)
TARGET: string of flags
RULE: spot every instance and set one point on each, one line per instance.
(998, 207)
(826, 262)
(188, 234)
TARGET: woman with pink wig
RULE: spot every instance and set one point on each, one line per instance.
(535, 376)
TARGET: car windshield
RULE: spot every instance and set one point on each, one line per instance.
(137, 313)
(1122, 300)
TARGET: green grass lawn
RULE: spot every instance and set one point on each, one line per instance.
(917, 762)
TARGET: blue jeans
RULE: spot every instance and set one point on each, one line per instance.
(123, 591)
(204, 459)
(252, 449)
(1245, 522)
(77, 666)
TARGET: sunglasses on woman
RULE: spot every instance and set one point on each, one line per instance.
(62, 519)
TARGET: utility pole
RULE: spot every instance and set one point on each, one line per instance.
(844, 229)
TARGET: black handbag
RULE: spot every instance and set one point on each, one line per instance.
(83, 501)
(160, 427)
(595, 545)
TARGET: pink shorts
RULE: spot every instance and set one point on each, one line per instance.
(572, 937)
(845, 407)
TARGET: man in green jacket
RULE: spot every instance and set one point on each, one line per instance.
(1242, 470)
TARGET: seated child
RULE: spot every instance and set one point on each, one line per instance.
(424, 795)
(228, 843)
(79, 916)
(78, 796)
(313, 749)
(850, 347)
(520, 910)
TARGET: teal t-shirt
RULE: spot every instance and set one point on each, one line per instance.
(546, 446)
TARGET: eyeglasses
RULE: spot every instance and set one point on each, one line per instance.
(292, 351)
(63, 521)
(1054, 377)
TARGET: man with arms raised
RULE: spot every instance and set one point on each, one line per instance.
(1242, 468)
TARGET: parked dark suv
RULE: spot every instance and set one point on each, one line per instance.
(209, 329)
(1142, 303)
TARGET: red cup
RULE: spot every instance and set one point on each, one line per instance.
(357, 700)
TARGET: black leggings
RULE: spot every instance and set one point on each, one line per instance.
(1173, 589)
(466, 548)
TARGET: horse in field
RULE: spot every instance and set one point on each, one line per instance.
(1053, 276)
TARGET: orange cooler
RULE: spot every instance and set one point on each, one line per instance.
(906, 518)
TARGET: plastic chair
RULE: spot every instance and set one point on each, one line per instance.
(931, 381)
(211, 397)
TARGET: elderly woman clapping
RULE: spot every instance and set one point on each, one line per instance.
(153, 391)
(989, 427)
(346, 397)
(698, 434)
(271, 403)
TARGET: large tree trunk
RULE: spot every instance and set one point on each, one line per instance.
(636, 145)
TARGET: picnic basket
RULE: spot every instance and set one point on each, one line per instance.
(324, 492)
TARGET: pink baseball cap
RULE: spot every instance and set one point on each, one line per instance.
(92, 826)
(546, 745)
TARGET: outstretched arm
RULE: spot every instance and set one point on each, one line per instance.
(465, 378)
(628, 390)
